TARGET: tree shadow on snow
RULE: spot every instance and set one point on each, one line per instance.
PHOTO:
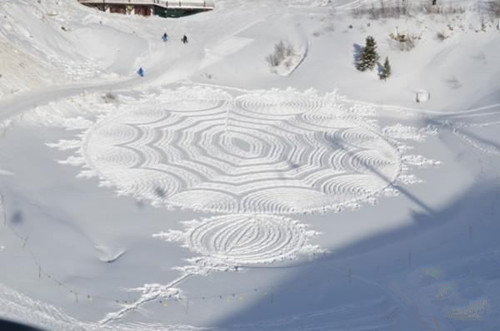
(380, 68)
(337, 144)
(356, 286)
(357, 52)
(17, 217)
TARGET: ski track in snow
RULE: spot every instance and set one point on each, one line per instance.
(460, 123)
(277, 152)
(471, 127)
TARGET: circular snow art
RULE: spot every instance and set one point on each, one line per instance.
(259, 153)
(243, 240)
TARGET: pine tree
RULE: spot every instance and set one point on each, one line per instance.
(385, 72)
(369, 56)
(370, 51)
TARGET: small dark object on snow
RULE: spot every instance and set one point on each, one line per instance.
(165, 37)
(184, 39)
(140, 72)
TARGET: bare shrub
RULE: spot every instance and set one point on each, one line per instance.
(441, 36)
(494, 8)
(207, 75)
(382, 10)
(282, 51)
(441, 10)
(396, 9)
(404, 42)
(109, 97)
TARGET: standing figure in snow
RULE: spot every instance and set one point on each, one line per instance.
(165, 37)
(140, 72)
(185, 39)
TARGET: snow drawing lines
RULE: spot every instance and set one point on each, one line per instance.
(243, 240)
(246, 240)
(253, 157)
(266, 152)
(227, 243)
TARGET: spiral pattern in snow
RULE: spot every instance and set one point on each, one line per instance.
(278, 153)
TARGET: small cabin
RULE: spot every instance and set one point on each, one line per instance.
(161, 8)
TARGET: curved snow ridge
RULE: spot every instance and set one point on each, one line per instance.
(278, 151)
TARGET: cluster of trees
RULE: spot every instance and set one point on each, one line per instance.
(369, 57)
(407, 8)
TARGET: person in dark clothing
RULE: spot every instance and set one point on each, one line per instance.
(140, 72)
(185, 39)
(165, 37)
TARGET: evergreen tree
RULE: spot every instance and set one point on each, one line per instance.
(385, 72)
(369, 55)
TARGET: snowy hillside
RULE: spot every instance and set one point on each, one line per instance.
(253, 179)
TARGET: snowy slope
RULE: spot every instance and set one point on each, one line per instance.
(218, 193)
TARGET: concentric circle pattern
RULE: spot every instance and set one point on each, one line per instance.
(248, 239)
(274, 152)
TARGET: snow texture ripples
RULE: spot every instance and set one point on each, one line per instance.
(272, 152)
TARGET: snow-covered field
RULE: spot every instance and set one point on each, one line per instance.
(220, 192)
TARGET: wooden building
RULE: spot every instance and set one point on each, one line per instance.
(151, 7)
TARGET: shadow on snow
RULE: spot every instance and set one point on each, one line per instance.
(354, 287)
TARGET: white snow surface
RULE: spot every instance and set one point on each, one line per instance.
(218, 193)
